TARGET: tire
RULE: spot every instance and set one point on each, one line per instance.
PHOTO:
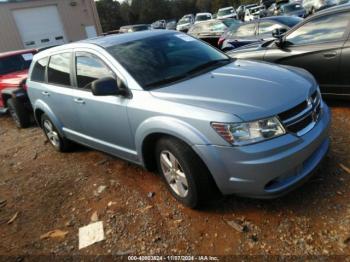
(19, 114)
(58, 142)
(190, 182)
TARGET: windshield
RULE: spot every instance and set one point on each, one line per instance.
(290, 21)
(225, 12)
(202, 17)
(291, 8)
(139, 28)
(15, 63)
(184, 21)
(164, 59)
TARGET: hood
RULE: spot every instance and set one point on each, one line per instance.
(13, 79)
(249, 90)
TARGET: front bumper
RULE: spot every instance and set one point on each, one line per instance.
(271, 168)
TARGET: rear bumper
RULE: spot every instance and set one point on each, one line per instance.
(269, 169)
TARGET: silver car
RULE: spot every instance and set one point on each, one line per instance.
(161, 99)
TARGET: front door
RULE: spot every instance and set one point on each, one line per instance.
(104, 120)
(315, 46)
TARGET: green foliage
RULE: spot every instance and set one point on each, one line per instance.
(114, 14)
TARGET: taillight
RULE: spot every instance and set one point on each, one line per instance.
(221, 41)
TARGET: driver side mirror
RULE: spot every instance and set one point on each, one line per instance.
(279, 33)
(108, 86)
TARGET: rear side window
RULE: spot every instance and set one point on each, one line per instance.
(58, 71)
(90, 68)
(38, 73)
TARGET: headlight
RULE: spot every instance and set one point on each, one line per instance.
(249, 132)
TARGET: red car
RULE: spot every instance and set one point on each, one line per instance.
(13, 94)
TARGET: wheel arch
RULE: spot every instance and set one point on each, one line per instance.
(151, 130)
(41, 108)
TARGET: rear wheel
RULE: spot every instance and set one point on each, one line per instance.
(19, 114)
(186, 176)
(60, 143)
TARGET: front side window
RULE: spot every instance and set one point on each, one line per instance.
(38, 73)
(90, 68)
(266, 28)
(58, 71)
(323, 29)
(163, 59)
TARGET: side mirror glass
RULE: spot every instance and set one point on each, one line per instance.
(279, 32)
(107, 86)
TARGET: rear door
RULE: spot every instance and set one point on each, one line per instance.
(59, 92)
(316, 46)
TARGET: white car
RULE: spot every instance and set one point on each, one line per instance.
(202, 17)
(227, 12)
(253, 13)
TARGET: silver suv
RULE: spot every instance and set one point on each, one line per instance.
(168, 102)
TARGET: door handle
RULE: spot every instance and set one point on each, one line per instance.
(79, 101)
(45, 93)
(330, 55)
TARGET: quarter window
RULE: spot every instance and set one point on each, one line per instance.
(59, 69)
(38, 73)
(323, 29)
(90, 68)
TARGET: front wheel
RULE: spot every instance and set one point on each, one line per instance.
(186, 176)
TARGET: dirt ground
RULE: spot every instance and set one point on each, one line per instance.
(42, 190)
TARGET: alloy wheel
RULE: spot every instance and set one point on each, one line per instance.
(174, 174)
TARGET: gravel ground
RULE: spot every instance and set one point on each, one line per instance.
(42, 190)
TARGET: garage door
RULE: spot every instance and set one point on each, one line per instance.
(40, 26)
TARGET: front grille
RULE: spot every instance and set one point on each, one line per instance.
(294, 111)
(302, 118)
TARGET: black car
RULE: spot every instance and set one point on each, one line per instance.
(320, 44)
(255, 31)
(211, 30)
(292, 9)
